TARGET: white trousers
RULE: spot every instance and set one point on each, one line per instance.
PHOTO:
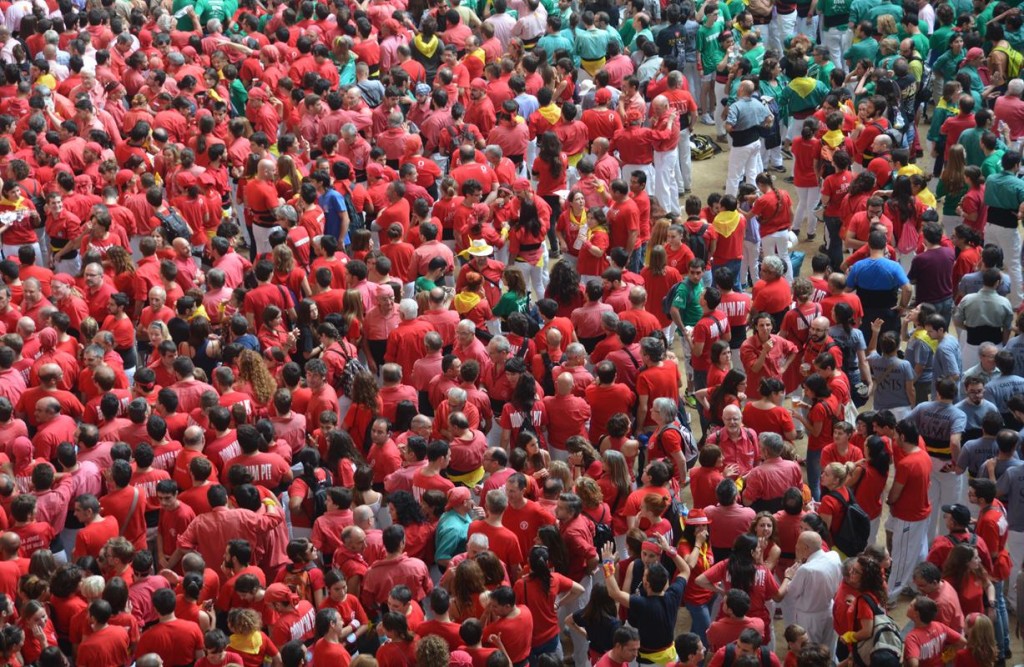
(684, 166)
(535, 276)
(262, 237)
(648, 169)
(666, 188)
(749, 265)
(745, 162)
(720, 94)
(807, 26)
(909, 547)
(837, 41)
(580, 645)
(11, 252)
(783, 26)
(944, 489)
(1009, 241)
(807, 199)
(778, 244)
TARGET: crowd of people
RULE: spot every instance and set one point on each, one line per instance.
(393, 333)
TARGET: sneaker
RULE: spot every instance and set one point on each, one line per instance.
(779, 168)
(786, 153)
(707, 119)
(722, 139)
(690, 400)
(810, 237)
(788, 179)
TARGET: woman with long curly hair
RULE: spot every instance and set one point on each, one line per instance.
(366, 406)
(868, 579)
(120, 262)
(741, 570)
(516, 298)
(543, 591)
(549, 170)
(764, 528)
(467, 589)
(564, 288)
(974, 587)
(254, 376)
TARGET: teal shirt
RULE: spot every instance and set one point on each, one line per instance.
(754, 56)
(976, 83)
(971, 141)
(687, 301)
(865, 49)
(1004, 190)
(450, 535)
(591, 44)
(239, 96)
(948, 64)
(553, 43)
(885, 9)
(836, 8)
(939, 40)
(859, 10)
(646, 32)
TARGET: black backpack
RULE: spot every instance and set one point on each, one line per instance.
(356, 220)
(602, 532)
(764, 655)
(174, 225)
(319, 491)
(697, 244)
(670, 296)
(852, 536)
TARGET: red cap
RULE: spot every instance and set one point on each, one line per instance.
(478, 83)
(279, 593)
(374, 170)
(258, 94)
(521, 184)
(634, 116)
(603, 96)
(975, 52)
(697, 517)
(94, 147)
(456, 497)
(123, 176)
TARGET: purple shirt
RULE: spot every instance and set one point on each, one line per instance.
(932, 274)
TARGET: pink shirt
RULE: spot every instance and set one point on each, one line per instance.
(771, 479)
(378, 326)
(426, 369)
(386, 574)
(429, 250)
(1010, 110)
(587, 319)
(476, 350)
(730, 522)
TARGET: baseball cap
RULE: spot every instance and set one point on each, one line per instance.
(456, 497)
(975, 52)
(521, 184)
(959, 512)
(478, 83)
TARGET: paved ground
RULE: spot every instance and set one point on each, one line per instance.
(708, 177)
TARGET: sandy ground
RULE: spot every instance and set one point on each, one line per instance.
(709, 176)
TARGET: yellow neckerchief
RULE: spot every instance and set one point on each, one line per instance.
(726, 222)
(478, 54)
(250, 644)
(702, 556)
(582, 219)
(551, 113)
(13, 203)
(833, 138)
(926, 197)
(952, 108)
(803, 85)
(465, 301)
(923, 336)
(214, 95)
(909, 170)
(426, 48)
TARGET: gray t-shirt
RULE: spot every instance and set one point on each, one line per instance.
(947, 359)
(937, 422)
(974, 453)
(891, 376)
(1011, 490)
(1001, 388)
(975, 413)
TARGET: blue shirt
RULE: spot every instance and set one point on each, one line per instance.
(877, 275)
(333, 205)
(1001, 388)
(947, 360)
(974, 453)
(249, 342)
(527, 105)
(1016, 345)
(975, 413)
(919, 353)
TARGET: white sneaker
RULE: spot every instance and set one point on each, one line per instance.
(707, 119)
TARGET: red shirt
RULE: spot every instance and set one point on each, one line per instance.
(913, 471)
(657, 382)
(926, 644)
(772, 297)
(540, 599)
(177, 641)
(516, 634)
(623, 218)
(118, 503)
(104, 648)
(503, 542)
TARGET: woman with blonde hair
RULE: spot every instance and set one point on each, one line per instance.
(952, 187)
(288, 177)
(831, 510)
(252, 371)
(981, 643)
(287, 274)
(352, 314)
(659, 236)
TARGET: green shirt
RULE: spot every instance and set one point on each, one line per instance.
(948, 64)
(859, 10)
(837, 8)
(865, 49)
(754, 56)
(885, 9)
(239, 96)
(939, 41)
(950, 200)
(707, 44)
(822, 73)
(451, 534)
(943, 110)
(993, 163)
(687, 301)
(509, 303)
(921, 44)
(424, 284)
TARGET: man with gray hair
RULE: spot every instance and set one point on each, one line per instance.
(575, 365)
(1009, 109)
(765, 485)
(745, 117)
(405, 342)
(503, 542)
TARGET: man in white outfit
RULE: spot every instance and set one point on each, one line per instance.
(666, 158)
(743, 122)
(815, 578)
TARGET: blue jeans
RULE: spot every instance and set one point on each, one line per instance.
(701, 615)
(1002, 621)
(734, 266)
(814, 473)
(552, 645)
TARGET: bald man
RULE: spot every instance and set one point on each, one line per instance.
(572, 412)
(813, 580)
(666, 188)
(261, 199)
